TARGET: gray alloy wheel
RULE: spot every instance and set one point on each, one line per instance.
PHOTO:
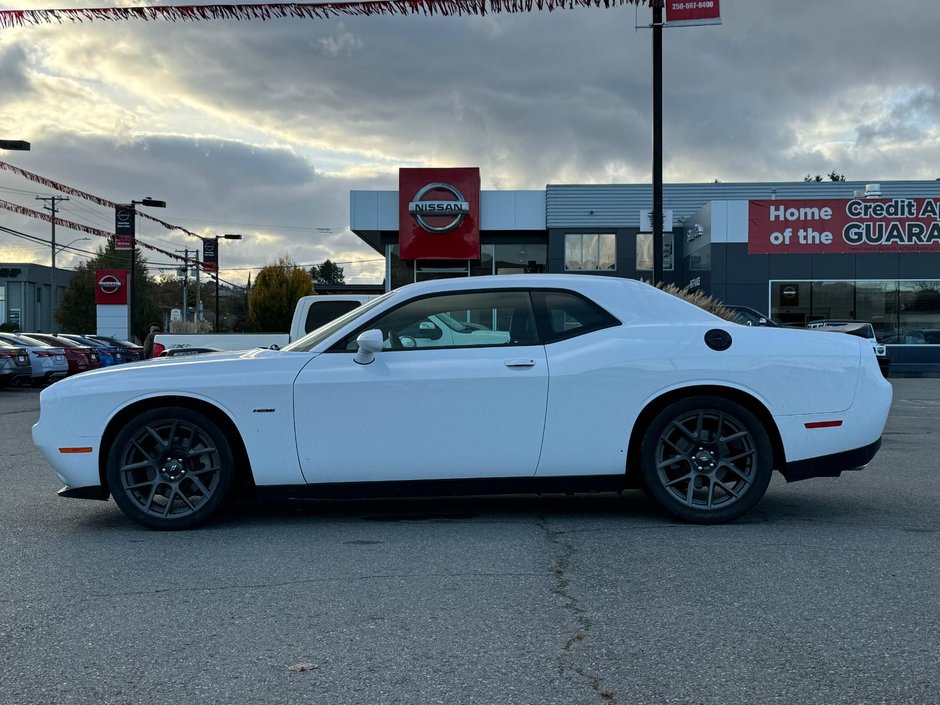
(706, 460)
(170, 468)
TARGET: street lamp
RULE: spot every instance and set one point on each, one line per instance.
(153, 203)
(20, 145)
(227, 236)
(65, 247)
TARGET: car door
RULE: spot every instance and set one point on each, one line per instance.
(438, 410)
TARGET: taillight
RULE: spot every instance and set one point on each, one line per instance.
(41, 353)
(7, 353)
(158, 349)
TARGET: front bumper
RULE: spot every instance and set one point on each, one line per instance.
(830, 465)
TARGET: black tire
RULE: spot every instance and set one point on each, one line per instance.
(706, 460)
(170, 468)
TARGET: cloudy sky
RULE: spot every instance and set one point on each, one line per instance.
(263, 128)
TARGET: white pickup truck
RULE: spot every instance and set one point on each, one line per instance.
(310, 313)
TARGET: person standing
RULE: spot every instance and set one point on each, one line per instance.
(148, 342)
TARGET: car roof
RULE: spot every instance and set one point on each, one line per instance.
(627, 299)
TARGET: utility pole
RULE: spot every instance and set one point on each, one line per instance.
(51, 208)
(185, 285)
(197, 315)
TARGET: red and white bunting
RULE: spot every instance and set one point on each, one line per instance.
(36, 178)
(78, 227)
(298, 10)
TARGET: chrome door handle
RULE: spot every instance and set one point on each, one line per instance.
(522, 363)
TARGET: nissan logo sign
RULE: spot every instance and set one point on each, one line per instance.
(456, 210)
(109, 284)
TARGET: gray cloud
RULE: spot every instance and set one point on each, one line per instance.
(266, 126)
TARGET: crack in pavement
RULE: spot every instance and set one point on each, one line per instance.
(571, 604)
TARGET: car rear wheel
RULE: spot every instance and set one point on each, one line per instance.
(170, 468)
(706, 460)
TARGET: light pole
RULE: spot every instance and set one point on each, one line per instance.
(65, 247)
(227, 236)
(153, 203)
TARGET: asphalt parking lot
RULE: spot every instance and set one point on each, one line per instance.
(826, 593)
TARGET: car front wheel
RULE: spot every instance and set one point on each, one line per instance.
(706, 460)
(170, 468)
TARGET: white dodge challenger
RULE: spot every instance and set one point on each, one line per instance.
(505, 384)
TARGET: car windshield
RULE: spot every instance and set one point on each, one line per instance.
(314, 337)
(117, 341)
(87, 341)
(56, 342)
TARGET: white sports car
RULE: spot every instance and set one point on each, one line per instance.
(554, 383)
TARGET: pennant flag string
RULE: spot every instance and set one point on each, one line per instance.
(36, 178)
(23, 210)
(299, 10)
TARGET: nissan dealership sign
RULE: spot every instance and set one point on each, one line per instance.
(439, 213)
(451, 212)
(111, 286)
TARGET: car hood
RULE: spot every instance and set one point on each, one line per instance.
(85, 402)
(184, 373)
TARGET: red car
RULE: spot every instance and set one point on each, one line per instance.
(81, 358)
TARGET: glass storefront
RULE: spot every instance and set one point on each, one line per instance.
(494, 259)
(905, 312)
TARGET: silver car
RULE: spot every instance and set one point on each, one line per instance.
(48, 363)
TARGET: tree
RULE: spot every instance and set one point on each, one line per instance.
(77, 311)
(275, 294)
(831, 176)
(327, 273)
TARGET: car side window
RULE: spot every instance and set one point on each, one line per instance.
(564, 314)
(474, 319)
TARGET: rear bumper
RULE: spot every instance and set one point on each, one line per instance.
(884, 364)
(90, 492)
(15, 379)
(831, 465)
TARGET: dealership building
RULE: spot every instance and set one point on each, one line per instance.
(804, 251)
(26, 295)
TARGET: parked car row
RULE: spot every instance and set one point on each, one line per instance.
(43, 358)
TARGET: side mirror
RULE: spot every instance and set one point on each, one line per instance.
(369, 343)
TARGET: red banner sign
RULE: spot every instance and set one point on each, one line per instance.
(691, 12)
(829, 226)
(439, 213)
(111, 286)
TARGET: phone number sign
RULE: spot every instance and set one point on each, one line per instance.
(692, 12)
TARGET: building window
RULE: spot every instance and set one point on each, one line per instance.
(644, 252)
(902, 312)
(590, 251)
